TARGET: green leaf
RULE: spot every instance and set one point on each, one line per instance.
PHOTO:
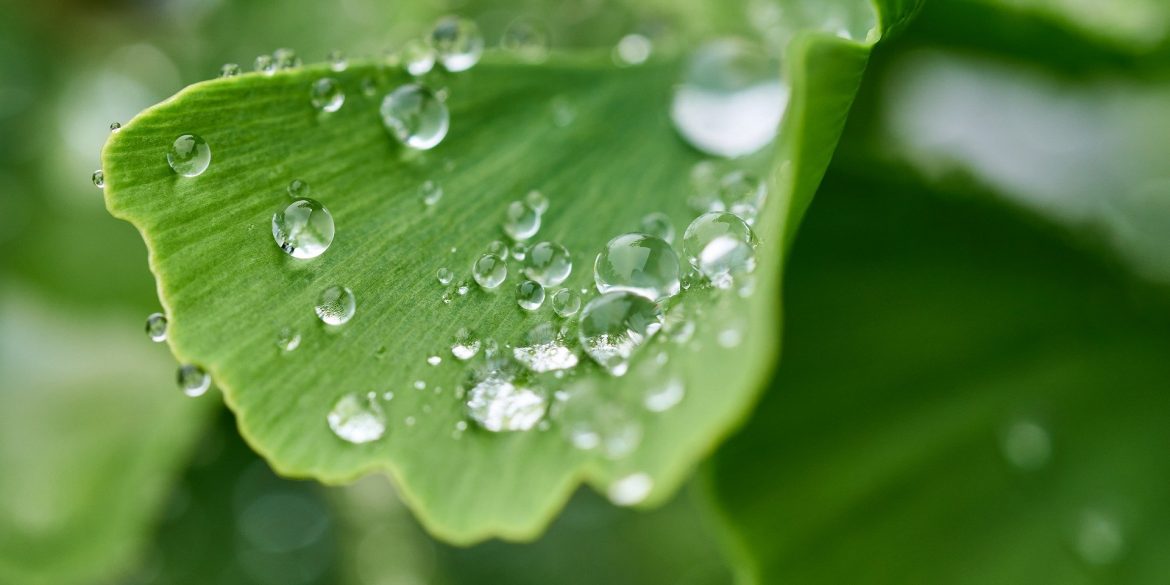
(228, 290)
(91, 433)
(966, 398)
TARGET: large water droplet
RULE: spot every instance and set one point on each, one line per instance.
(528, 38)
(613, 325)
(156, 327)
(193, 380)
(720, 246)
(521, 221)
(489, 271)
(189, 155)
(742, 194)
(417, 57)
(304, 229)
(595, 423)
(630, 490)
(465, 346)
(658, 224)
(335, 305)
(458, 43)
(326, 95)
(545, 350)
(566, 303)
(415, 116)
(548, 263)
(638, 263)
(498, 402)
(730, 100)
(529, 295)
(357, 419)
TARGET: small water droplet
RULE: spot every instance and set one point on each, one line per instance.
(304, 229)
(369, 86)
(264, 64)
(613, 325)
(632, 49)
(444, 276)
(743, 195)
(563, 111)
(409, 421)
(415, 116)
(730, 336)
(630, 490)
(298, 189)
(326, 95)
(545, 350)
(335, 305)
(1026, 445)
(286, 58)
(521, 221)
(499, 402)
(489, 271)
(566, 303)
(461, 426)
(420, 385)
(499, 249)
(430, 192)
(457, 43)
(115, 126)
(537, 200)
(638, 263)
(288, 339)
(99, 179)
(388, 395)
(193, 380)
(720, 246)
(189, 155)
(337, 60)
(529, 295)
(730, 100)
(528, 38)
(519, 250)
(665, 395)
(357, 419)
(548, 263)
(434, 360)
(465, 346)
(658, 224)
(229, 70)
(1099, 538)
(462, 289)
(417, 57)
(156, 327)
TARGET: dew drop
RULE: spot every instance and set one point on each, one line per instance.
(566, 303)
(193, 380)
(337, 60)
(665, 395)
(335, 305)
(326, 95)
(545, 350)
(229, 70)
(489, 271)
(720, 246)
(189, 155)
(537, 200)
(462, 289)
(430, 192)
(264, 64)
(415, 116)
(658, 224)
(630, 490)
(730, 100)
(369, 86)
(529, 295)
(519, 250)
(444, 276)
(498, 402)
(528, 38)
(288, 339)
(115, 126)
(156, 327)
(286, 58)
(499, 249)
(548, 263)
(417, 57)
(1026, 445)
(638, 263)
(594, 423)
(457, 42)
(99, 179)
(298, 189)
(730, 336)
(743, 195)
(465, 346)
(521, 221)
(304, 229)
(632, 50)
(357, 419)
(434, 360)
(612, 326)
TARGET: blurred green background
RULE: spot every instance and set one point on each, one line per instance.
(1040, 129)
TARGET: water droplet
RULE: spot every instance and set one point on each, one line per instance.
(465, 346)
(357, 419)
(264, 64)
(369, 86)
(521, 221)
(529, 295)
(444, 276)
(335, 305)
(519, 250)
(326, 95)
(730, 336)
(409, 421)
(415, 116)
(388, 395)
(489, 271)
(298, 189)
(720, 246)
(632, 50)
(286, 58)
(545, 350)
(457, 42)
(462, 289)
(156, 327)
(498, 402)
(630, 490)
(229, 70)
(288, 339)
(420, 385)
(189, 155)
(638, 263)
(592, 422)
(99, 179)
(658, 224)
(613, 325)
(1099, 538)
(430, 192)
(1026, 445)
(563, 111)
(193, 381)
(730, 100)
(743, 195)
(499, 249)
(566, 303)
(665, 395)
(337, 60)
(537, 200)
(417, 57)
(115, 126)
(304, 229)
(548, 263)
(434, 360)
(528, 38)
